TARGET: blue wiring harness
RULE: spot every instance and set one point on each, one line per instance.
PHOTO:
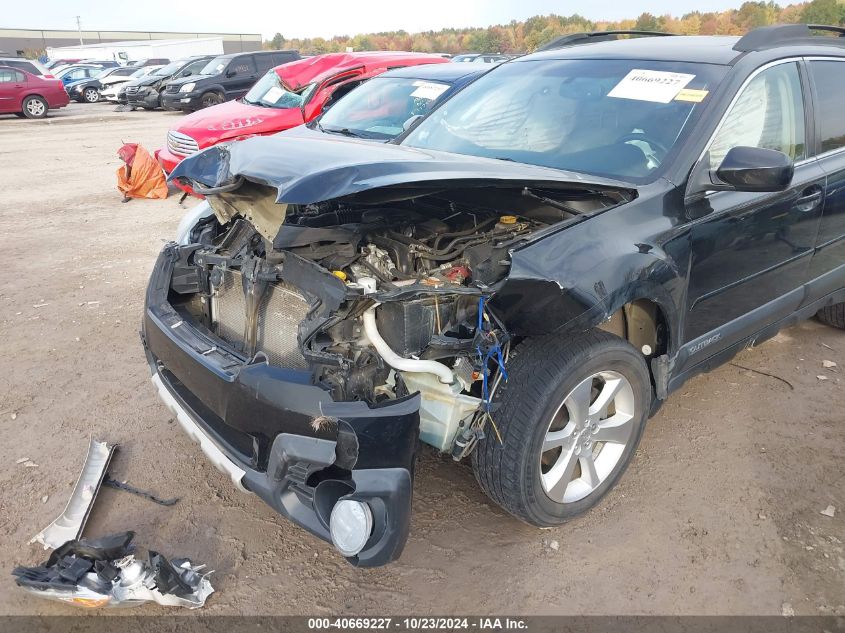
(488, 348)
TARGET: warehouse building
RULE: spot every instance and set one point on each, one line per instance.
(31, 42)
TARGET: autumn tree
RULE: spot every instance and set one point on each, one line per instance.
(824, 12)
(527, 35)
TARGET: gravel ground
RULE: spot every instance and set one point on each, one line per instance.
(719, 512)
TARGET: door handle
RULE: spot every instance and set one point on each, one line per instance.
(810, 198)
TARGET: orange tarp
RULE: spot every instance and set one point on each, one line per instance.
(141, 176)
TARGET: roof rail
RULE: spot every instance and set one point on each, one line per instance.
(779, 34)
(574, 39)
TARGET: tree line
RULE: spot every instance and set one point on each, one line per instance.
(525, 36)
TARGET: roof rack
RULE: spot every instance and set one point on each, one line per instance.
(574, 39)
(779, 34)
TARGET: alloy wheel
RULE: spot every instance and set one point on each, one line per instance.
(91, 95)
(36, 107)
(211, 100)
(587, 436)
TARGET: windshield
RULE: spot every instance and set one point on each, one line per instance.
(271, 93)
(168, 70)
(104, 73)
(194, 67)
(380, 107)
(215, 66)
(614, 118)
(41, 69)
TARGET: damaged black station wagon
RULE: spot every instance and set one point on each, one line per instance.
(521, 279)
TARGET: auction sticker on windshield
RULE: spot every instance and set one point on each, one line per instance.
(273, 94)
(428, 90)
(650, 85)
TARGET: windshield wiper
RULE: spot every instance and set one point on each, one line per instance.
(345, 131)
(528, 193)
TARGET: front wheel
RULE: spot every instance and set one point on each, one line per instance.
(91, 95)
(34, 108)
(833, 315)
(211, 99)
(570, 418)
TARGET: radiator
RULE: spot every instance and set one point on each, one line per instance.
(282, 309)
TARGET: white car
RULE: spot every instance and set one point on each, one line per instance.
(112, 84)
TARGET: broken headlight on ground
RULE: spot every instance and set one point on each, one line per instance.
(104, 572)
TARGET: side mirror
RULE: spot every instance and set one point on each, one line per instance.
(231, 73)
(756, 169)
(186, 73)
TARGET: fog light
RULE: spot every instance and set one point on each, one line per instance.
(351, 524)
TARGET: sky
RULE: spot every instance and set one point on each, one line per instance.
(321, 18)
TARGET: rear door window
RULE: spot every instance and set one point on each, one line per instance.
(266, 62)
(829, 80)
(242, 65)
(6, 76)
(281, 58)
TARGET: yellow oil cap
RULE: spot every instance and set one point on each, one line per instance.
(339, 274)
(507, 219)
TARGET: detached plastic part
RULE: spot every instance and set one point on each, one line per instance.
(69, 525)
(105, 573)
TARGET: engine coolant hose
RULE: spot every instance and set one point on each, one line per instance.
(443, 373)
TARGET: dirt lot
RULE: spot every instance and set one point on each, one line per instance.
(718, 514)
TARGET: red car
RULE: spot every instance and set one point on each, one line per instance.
(287, 96)
(28, 95)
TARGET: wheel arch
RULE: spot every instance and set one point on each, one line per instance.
(642, 313)
(29, 95)
(643, 323)
(218, 88)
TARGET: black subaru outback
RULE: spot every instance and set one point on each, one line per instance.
(521, 279)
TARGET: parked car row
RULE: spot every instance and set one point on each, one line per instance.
(199, 82)
(292, 94)
(88, 90)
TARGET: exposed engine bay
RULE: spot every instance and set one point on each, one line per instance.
(377, 298)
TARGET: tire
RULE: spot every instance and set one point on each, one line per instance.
(91, 95)
(833, 315)
(539, 403)
(211, 98)
(35, 107)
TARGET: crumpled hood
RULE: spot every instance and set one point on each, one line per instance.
(233, 119)
(190, 78)
(149, 80)
(109, 81)
(316, 168)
